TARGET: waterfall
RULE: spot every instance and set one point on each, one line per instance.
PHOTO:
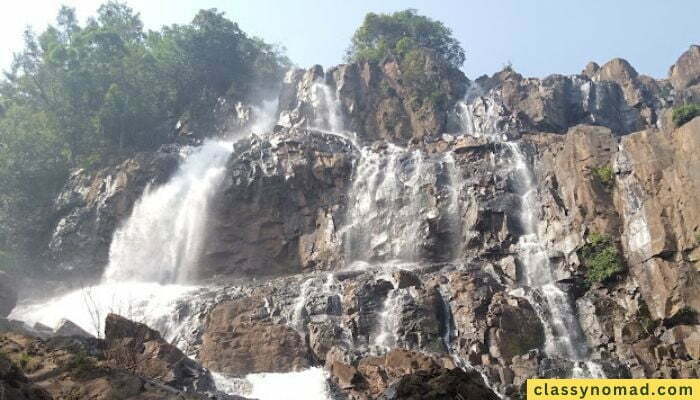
(327, 108)
(395, 193)
(153, 254)
(388, 322)
(162, 240)
(456, 182)
(481, 118)
(386, 206)
(563, 333)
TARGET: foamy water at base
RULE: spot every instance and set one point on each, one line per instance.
(149, 303)
(310, 384)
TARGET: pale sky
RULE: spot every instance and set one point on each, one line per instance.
(536, 37)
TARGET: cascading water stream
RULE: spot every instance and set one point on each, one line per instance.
(384, 218)
(562, 330)
(561, 326)
(327, 108)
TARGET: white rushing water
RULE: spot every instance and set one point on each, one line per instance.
(162, 240)
(147, 302)
(310, 384)
(388, 322)
(384, 218)
(155, 253)
(327, 108)
(563, 337)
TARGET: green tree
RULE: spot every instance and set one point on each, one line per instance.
(401, 33)
(683, 114)
(601, 258)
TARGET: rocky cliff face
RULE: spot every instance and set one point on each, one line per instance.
(373, 101)
(373, 218)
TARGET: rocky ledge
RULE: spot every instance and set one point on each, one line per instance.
(132, 362)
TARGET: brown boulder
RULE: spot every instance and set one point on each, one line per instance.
(141, 350)
(239, 339)
(442, 384)
(408, 374)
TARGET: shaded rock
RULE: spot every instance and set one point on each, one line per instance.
(406, 279)
(68, 370)
(404, 374)
(68, 328)
(442, 384)
(8, 294)
(322, 337)
(141, 350)
(14, 385)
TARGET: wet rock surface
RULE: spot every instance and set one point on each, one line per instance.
(279, 209)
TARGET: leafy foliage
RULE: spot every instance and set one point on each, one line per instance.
(685, 113)
(605, 175)
(601, 258)
(81, 95)
(81, 364)
(401, 33)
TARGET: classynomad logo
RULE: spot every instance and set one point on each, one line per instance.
(613, 389)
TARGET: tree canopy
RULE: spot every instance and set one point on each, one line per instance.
(81, 95)
(399, 34)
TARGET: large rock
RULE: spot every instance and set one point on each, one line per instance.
(8, 294)
(68, 328)
(684, 75)
(442, 384)
(34, 369)
(278, 212)
(404, 374)
(580, 201)
(141, 350)
(239, 338)
(659, 178)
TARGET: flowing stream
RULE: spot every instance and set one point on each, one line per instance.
(563, 336)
